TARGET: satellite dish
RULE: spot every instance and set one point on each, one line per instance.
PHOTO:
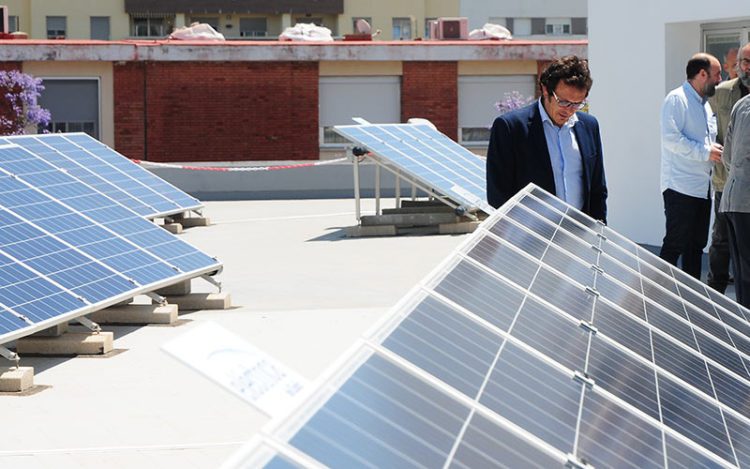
(363, 27)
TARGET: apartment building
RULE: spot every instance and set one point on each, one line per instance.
(530, 19)
(266, 19)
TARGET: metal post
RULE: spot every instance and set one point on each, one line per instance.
(413, 192)
(355, 160)
(377, 189)
(398, 189)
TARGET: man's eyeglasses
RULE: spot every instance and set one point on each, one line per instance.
(745, 62)
(569, 104)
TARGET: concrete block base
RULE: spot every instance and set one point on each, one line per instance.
(360, 231)
(136, 314)
(202, 301)
(72, 343)
(458, 228)
(16, 379)
(179, 288)
(195, 221)
(174, 228)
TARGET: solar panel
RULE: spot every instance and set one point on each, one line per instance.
(428, 157)
(155, 244)
(109, 172)
(532, 346)
(67, 250)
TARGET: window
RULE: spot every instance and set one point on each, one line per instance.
(253, 27)
(73, 104)
(537, 25)
(477, 96)
(375, 98)
(357, 18)
(100, 28)
(521, 26)
(579, 26)
(212, 21)
(402, 28)
(557, 26)
(56, 27)
(13, 24)
(151, 26)
(87, 126)
(427, 22)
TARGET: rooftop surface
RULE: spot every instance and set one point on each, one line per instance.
(301, 291)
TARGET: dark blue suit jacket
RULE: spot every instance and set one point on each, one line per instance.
(518, 155)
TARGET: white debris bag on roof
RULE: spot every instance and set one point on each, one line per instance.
(306, 32)
(490, 31)
(197, 32)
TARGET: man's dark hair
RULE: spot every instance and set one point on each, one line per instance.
(696, 64)
(571, 70)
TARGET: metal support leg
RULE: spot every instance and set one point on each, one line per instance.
(398, 190)
(357, 201)
(377, 189)
(89, 324)
(8, 355)
(413, 192)
(157, 298)
(212, 281)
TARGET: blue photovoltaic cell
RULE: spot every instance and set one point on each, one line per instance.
(59, 262)
(30, 296)
(533, 329)
(82, 168)
(428, 156)
(391, 418)
(109, 172)
(109, 218)
(90, 237)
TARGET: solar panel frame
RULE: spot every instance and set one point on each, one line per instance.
(468, 168)
(126, 181)
(677, 444)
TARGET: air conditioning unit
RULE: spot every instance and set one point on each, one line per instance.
(450, 29)
(4, 19)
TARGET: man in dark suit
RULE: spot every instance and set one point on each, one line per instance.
(550, 144)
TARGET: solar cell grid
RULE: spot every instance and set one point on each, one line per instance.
(155, 245)
(108, 172)
(575, 376)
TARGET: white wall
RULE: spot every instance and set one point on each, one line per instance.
(638, 51)
(479, 11)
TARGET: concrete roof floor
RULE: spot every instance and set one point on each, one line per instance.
(301, 291)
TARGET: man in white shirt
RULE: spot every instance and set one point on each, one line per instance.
(688, 148)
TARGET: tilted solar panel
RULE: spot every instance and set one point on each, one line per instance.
(108, 172)
(67, 250)
(427, 156)
(545, 340)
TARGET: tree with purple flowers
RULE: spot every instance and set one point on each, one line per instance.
(513, 100)
(19, 108)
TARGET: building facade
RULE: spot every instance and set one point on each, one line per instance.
(530, 19)
(266, 19)
(259, 101)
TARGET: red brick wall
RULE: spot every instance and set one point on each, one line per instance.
(129, 109)
(430, 90)
(218, 111)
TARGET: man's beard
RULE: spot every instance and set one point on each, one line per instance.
(709, 89)
(744, 77)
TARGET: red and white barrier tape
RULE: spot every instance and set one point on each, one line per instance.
(242, 168)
